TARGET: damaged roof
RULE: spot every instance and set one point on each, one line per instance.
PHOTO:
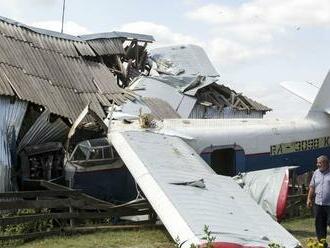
(58, 71)
(182, 93)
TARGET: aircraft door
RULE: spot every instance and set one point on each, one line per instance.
(226, 161)
(223, 162)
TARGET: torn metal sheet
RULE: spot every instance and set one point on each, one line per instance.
(117, 34)
(198, 97)
(43, 131)
(183, 59)
(11, 116)
(157, 161)
(150, 105)
(86, 111)
(155, 87)
(213, 112)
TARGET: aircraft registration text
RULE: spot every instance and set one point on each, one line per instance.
(298, 146)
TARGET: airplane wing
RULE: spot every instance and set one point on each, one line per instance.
(187, 195)
(304, 90)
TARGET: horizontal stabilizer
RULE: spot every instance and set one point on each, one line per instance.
(304, 90)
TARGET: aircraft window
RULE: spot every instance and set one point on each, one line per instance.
(80, 153)
(107, 152)
(96, 153)
(87, 155)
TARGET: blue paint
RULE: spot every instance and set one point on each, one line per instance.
(239, 160)
(114, 185)
(118, 185)
(306, 160)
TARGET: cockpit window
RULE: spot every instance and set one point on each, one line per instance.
(80, 153)
(88, 151)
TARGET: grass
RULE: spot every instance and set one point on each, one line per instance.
(147, 238)
(302, 229)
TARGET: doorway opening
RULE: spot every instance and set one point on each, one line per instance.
(223, 161)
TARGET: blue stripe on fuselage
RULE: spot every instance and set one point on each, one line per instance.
(306, 160)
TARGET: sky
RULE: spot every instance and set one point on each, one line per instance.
(253, 44)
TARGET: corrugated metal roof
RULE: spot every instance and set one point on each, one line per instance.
(11, 31)
(84, 49)
(116, 34)
(47, 69)
(107, 46)
(11, 117)
(256, 105)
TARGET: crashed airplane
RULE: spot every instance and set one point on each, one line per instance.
(165, 127)
(187, 193)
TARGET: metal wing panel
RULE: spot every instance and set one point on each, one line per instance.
(157, 162)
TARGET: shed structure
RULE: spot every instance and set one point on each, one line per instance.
(47, 78)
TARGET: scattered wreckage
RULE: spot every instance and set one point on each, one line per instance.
(48, 134)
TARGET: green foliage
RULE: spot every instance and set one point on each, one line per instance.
(314, 243)
(207, 237)
(27, 227)
(274, 245)
(177, 242)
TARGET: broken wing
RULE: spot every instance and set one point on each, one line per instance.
(165, 167)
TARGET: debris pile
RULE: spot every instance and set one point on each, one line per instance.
(47, 79)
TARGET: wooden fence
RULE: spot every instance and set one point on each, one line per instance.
(69, 210)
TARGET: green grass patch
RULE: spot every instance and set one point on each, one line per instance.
(302, 229)
(153, 238)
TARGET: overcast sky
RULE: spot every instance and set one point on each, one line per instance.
(254, 44)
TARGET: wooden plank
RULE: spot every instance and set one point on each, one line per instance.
(87, 198)
(55, 203)
(39, 193)
(13, 220)
(30, 235)
(112, 227)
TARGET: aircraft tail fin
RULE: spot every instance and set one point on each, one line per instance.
(322, 99)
